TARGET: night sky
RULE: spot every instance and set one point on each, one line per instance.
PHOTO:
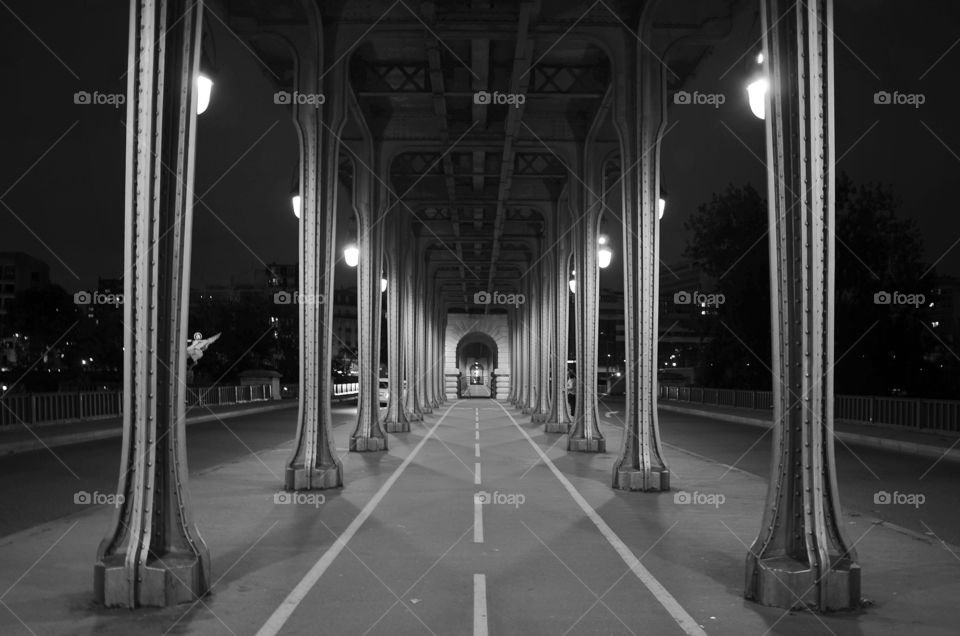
(61, 169)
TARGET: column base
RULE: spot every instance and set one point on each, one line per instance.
(647, 481)
(397, 427)
(323, 477)
(176, 579)
(539, 418)
(556, 427)
(789, 584)
(584, 445)
(367, 444)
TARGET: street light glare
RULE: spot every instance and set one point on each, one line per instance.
(757, 94)
(383, 285)
(351, 255)
(662, 204)
(204, 88)
(295, 201)
(604, 256)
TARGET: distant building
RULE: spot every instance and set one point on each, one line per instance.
(611, 343)
(278, 278)
(19, 271)
(345, 334)
(108, 296)
(943, 309)
(684, 319)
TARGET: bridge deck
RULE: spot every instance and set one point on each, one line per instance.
(399, 550)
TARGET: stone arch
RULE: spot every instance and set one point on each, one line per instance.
(464, 330)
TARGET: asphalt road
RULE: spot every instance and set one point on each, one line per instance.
(861, 471)
(407, 547)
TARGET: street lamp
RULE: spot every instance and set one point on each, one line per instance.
(295, 202)
(757, 90)
(204, 88)
(383, 285)
(351, 254)
(573, 281)
(604, 254)
(661, 205)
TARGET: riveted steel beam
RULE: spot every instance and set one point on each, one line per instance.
(801, 558)
(558, 420)
(152, 554)
(412, 284)
(396, 420)
(369, 202)
(585, 435)
(313, 463)
(639, 116)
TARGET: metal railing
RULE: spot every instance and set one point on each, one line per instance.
(918, 413)
(225, 395)
(49, 408)
(346, 390)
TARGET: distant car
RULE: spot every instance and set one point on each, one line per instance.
(384, 391)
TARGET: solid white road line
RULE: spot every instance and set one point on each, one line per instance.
(477, 520)
(476, 474)
(680, 615)
(280, 616)
(479, 605)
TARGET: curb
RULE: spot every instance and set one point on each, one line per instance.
(25, 446)
(897, 446)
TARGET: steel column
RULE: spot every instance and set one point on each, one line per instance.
(153, 555)
(801, 558)
(639, 116)
(547, 333)
(396, 420)
(420, 383)
(368, 434)
(313, 463)
(558, 420)
(585, 433)
(530, 282)
(411, 285)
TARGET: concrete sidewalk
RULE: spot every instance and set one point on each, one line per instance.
(24, 439)
(883, 436)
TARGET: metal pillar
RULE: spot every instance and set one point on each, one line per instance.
(433, 364)
(396, 420)
(535, 344)
(438, 338)
(422, 357)
(585, 433)
(514, 361)
(411, 289)
(639, 116)
(153, 555)
(526, 351)
(558, 421)
(801, 557)
(368, 434)
(313, 463)
(547, 334)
